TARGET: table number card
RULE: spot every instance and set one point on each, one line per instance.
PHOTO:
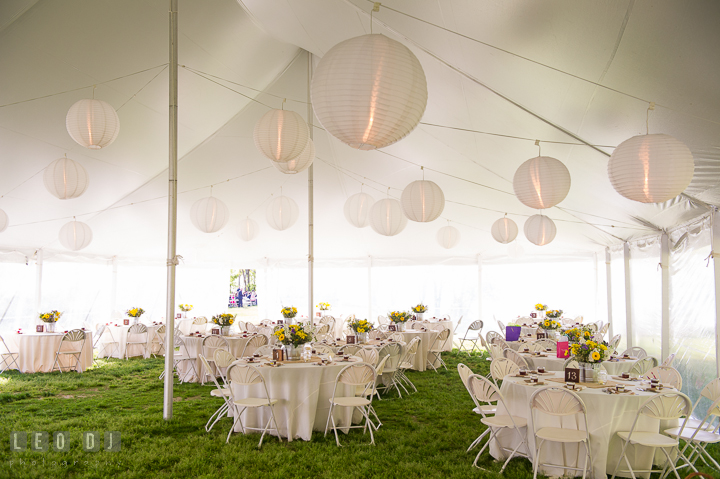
(215, 331)
(540, 335)
(278, 355)
(39, 328)
(533, 315)
(391, 327)
(178, 316)
(350, 340)
(126, 322)
(280, 321)
(572, 375)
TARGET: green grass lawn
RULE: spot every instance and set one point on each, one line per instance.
(423, 435)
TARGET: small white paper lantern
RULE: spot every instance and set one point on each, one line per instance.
(75, 235)
(4, 221)
(65, 178)
(369, 91)
(357, 209)
(448, 237)
(281, 135)
(651, 168)
(282, 213)
(504, 230)
(515, 250)
(541, 182)
(93, 124)
(540, 230)
(209, 215)
(300, 163)
(247, 230)
(422, 201)
(386, 217)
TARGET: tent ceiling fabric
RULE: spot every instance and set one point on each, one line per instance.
(560, 72)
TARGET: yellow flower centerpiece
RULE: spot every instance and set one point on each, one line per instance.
(185, 308)
(135, 313)
(323, 306)
(553, 313)
(589, 354)
(361, 328)
(540, 307)
(50, 319)
(399, 318)
(420, 311)
(224, 320)
(289, 312)
(293, 336)
(576, 334)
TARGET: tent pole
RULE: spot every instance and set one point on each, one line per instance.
(664, 264)
(479, 290)
(311, 206)
(716, 263)
(38, 281)
(608, 274)
(369, 277)
(113, 287)
(628, 296)
(172, 216)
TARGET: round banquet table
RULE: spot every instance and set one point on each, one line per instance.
(606, 414)
(37, 351)
(427, 338)
(552, 363)
(120, 335)
(194, 348)
(304, 391)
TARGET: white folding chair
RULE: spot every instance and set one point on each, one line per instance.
(221, 392)
(434, 354)
(368, 355)
(254, 343)
(663, 407)
(137, 335)
(502, 367)
(666, 375)
(104, 339)
(560, 403)
(668, 361)
(697, 438)
(417, 325)
(501, 325)
(246, 375)
(157, 344)
(496, 351)
(397, 337)
(350, 349)
(407, 363)
(472, 335)
(321, 348)
(635, 352)
(266, 350)
(8, 357)
(73, 343)
(613, 344)
(517, 359)
(359, 376)
(180, 355)
(465, 373)
(209, 345)
(572, 363)
(642, 366)
(222, 359)
(199, 324)
(377, 334)
(603, 331)
(394, 352)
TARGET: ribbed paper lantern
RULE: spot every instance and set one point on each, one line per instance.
(93, 124)
(282, 213)
(281, 135)
(540, 230)
(247, 230)
(4, 221)
(448, 237)
(357, 209)
(386, 217)
(75, 235)
(651, 168)
(369, 91)
(541, 182)
(209, 215)
(65, 178)
(515, 250)
(422, 201)
(300, 163)
(504, 230)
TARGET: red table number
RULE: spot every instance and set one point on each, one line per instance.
(350, 340)
(278, 354)
(540, 335)
(391, 327)
(533, 315)
(39, 328)
(126, 322)
(572, 375)
(280, 321)
(215, 331)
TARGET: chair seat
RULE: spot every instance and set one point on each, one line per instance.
(504, 421)
(470, 338)
(558, 434)
(63, 351)
(220, 392)
(651, 439)
(350, 401)
(254, 402)
(488, 409)
(405, 366)
(701, 436)
(695, 423)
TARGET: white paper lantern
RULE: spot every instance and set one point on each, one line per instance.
(282, 213)
(651, 168)
(247, 230)
(386, 217)
(541, 182)
(75, 235)
(448, 237)
(369, 91)
(65, 178)
(4, 221)
(504, 230)
(515, 250)
(209, 215)
(93, 124)
(540, 230)
(357, 209)
(422, 201)
(300, 163)
(281, 135)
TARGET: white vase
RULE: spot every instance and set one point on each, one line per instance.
(589, 372)
(362, 337)
(420, 316)
(400, 326)
(50, 327)
(294, 353)
(225, 330)
(290, 320)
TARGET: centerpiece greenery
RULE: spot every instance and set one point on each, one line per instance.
(224, 320)
(361, 326)
(540, 307)
(51, 317)
(420, 308)
(576, 334)
(289, 312)
(589, 351)
(398, 317)
(293, 336)
(185, 307)
(135, 312)
(553, 313)
(323, 306)
(549, 324)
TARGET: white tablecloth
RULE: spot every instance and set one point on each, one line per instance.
(607, 414)
(194, 347)
(120, 335)
(186, 326)
(553, 363)
(427, 338)
(37, 351)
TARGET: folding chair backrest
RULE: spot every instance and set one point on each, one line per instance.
(712, 390)
(223, 358)
(464, 372)
(392, 351)
(496, 351)
(443, 335)
(536, 346)
(515, 357)
(5, 348)
(666, 406)
(501, 325)
(357, 375)
(350, 349)
(557, 402)
(324, 329)
(397, 337)
(178, 342)
(475, 326)
(98, 332)
(381, 365)
(161, 330)
(264, 350)
(592, 327)
(501, 367)
(571, 363)
(376, 334)
(250, 327)
(74, 335)
(368, 355)
(138, 328)
(666, 375)
(212, 343)
(207, 367)
(642, 366)
(614, 342)
(668, 361)
(604, 329)
(636, 352)
(482, 389)
(244, 374)
(493, 336)
(418, 325)
(254, 343)
(200, 320)
(322, 348)
(547, 344)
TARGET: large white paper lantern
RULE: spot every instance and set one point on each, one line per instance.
(300, 163)
(282, 213)
(281, 135)
(504, 230)
(369, 91)
(65, 178)
(209, 215)
(357, 209)
(448, 237)
(93, 124)
(541, 182)
(4, 221)
(422, 201)
(386, 217)
(540, 230)
(75, 235)
(651, 168)
(247, 230)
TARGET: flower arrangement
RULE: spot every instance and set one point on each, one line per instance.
(224, 319)
(576, 334)
(185, 307)
(420, 308)
(589, 351)
(51, 317)
(135, 312)
(293, 334)
(323, 306)
(553, 313)
(290, 312)
(399, 316)
(540, 307)
(549, 324)
(361, 326)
